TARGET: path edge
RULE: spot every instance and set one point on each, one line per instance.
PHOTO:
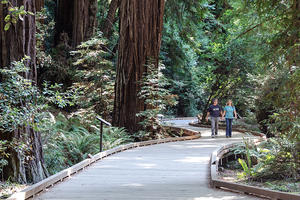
(45, 184)
(215, 182)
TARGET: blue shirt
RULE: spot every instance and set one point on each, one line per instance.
(229, 111)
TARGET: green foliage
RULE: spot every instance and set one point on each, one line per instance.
(183, 43)
(53, 54)
(156, 98)
(22, 104)
(15, 13)
(281, 161)
(272, 28)
(283, 186)
(285, 119)
(278, 104)
(53, 94)
(44, 34)
(115, 136)
(3, 154)
(275, 159)
(68, 141)
(247, 170)
(94, 77)
(20, 100)
(277, 22)
(231, 69)
(248, 150)
(203, 61)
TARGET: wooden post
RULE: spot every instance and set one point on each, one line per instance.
(101, 135)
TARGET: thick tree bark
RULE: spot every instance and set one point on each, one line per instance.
(15, 43)
(141, 23)
(77, 18)
(39, 5)
(19, 40)
(110, 19)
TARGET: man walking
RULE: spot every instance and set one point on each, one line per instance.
(214, 111)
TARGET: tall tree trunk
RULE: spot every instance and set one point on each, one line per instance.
(19, 40)
(110, 19)
(15, 43)
(77, 18)
(141, 23)
(204, 111)
(39, 5)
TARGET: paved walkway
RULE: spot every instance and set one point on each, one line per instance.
(174, 171)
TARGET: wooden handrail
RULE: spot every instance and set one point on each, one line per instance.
(102, 120)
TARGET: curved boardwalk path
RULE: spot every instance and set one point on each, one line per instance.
(172, 171)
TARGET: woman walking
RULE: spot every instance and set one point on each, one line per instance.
(229, 113)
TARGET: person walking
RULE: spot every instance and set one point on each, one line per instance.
(214, 111)
(230, 114)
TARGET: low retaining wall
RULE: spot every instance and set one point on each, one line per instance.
(50, 181)
(217, 155)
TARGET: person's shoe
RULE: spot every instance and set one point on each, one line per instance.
(227, 136)
(212, 136)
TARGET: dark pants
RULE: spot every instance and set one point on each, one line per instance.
(228, 127)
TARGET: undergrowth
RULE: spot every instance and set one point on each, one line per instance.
(68, 141)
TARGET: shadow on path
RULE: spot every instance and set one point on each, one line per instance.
(171, 171)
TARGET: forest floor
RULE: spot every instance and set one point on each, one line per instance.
(8, 188)
(286, 185)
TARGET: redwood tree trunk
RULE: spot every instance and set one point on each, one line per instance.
(19, 40)
(39, 5)
(15, 43)
(110, 19)
(77, 18)
(141, 23)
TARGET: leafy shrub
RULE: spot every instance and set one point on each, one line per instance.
(21, 102)
(278, 105)
(15, 93)
(157, 98)
(94, 77)
(281, 161)
(276, 159)
(23, 107)
(114, 136)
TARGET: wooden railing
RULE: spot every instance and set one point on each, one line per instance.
(34, 190)
(102, 121)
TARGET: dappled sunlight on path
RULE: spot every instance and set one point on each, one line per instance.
(172, 171)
